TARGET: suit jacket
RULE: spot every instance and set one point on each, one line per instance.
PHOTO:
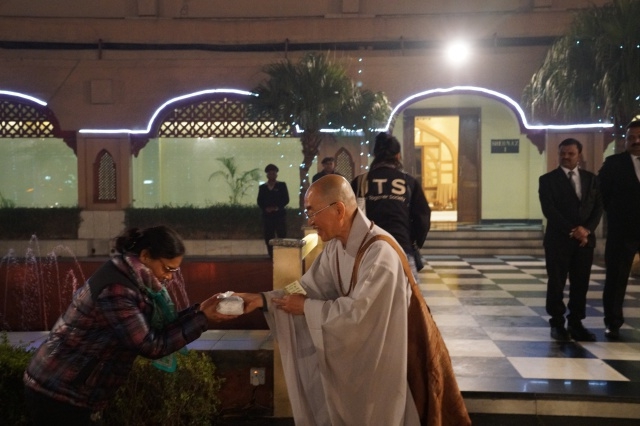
(278, 197)
(621, 195)
(564, 210)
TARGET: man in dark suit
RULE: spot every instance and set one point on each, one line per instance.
(572, 204)
(619, 180)
(273, 197)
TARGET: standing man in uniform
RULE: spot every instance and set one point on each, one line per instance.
(572, 204)
(620, 185)
(328, 168)
(273, 196)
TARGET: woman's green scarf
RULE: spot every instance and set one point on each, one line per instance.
(164, 310)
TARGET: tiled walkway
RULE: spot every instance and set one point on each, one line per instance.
(491, 313)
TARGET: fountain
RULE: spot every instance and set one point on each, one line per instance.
(36, 289)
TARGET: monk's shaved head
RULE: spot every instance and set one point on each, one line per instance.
(331, 206)
(332, 188)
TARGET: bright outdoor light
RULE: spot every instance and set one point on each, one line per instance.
(458, 52)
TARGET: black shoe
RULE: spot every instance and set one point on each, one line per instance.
(612, 333)
(581, 334)
(560, 333)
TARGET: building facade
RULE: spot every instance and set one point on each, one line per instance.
(110, 76)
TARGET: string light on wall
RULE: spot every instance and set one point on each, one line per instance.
(23, 96)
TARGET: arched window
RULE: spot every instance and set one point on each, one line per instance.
(345, 164)
(105, 178)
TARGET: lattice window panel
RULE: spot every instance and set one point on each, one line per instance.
(344, 164)
(106, 182)
(223, 118)
(24, 121)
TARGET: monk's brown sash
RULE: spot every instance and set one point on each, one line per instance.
(429, 370)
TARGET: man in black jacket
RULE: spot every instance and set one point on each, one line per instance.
(395, 200)
(620, 184)
(572, 204)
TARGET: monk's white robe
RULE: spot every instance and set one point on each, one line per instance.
(345, 360)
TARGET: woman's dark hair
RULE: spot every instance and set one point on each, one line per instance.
(160, 241)
(386, 150)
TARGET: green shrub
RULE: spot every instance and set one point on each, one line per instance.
(20, 223)
(189, 396)
(219, 222)
(13, 362)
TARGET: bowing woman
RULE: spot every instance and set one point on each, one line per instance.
(122, 311)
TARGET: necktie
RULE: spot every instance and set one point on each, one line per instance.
(573, 182)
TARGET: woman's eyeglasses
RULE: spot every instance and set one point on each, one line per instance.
(167, 268)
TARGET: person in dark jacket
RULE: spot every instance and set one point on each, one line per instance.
(619, 180)
(328, 168)
(273, 196)
(121, 312)
(572, 204)
(395, 200)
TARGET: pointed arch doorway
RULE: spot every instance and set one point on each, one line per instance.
(442, 149)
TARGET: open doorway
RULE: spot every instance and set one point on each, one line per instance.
(436, 155)
(444, 148)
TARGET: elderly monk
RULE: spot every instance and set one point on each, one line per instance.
(344, 344)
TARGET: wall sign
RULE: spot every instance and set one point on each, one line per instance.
(504, 146)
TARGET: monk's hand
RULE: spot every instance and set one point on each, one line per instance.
(252, 301)
(291, 304)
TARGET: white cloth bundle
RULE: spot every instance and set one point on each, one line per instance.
(229, 304)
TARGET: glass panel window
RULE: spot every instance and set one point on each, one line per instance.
(38, 172)
(178, 171)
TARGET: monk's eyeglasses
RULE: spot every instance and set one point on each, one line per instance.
(312, 215)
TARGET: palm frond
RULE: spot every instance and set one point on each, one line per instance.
(591, 73)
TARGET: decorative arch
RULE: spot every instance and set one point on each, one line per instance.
(105, 178)
(535, 133)
(218, 113)
(23, 116)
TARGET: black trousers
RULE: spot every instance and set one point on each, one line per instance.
(567, 260)
(44, 410)
(274, 225)
(618, 258)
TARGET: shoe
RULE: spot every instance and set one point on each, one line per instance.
(612, 333)
(560, 333)
(581, 334)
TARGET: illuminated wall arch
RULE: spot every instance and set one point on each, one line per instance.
(534, 132)
(23, 116)
(36, 168)
(217, 113)
(180, 150)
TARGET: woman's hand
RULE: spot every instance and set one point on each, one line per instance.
(208, 308)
